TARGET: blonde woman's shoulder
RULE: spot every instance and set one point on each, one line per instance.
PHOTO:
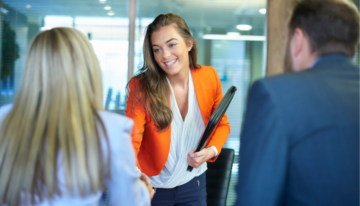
(114, 117)
(4, 110)
(116, 123)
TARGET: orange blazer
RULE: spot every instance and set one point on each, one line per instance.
(152, 147)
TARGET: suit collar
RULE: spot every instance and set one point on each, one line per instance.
(331, 60)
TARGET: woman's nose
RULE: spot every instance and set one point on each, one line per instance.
(166, 54)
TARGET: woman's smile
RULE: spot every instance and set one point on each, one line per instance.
(170, 63)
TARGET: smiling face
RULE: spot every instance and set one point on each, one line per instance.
(171, 50)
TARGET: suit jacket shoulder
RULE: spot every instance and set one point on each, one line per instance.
(301, 137)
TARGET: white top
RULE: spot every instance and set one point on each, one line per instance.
(185, 136)
(124, 186)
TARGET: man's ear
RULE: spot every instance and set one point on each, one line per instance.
(297, 42)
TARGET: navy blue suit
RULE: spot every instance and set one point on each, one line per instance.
(300, 138)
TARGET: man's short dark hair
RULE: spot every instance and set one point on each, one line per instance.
(332, 26)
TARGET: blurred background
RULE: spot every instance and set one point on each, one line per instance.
(231, 36)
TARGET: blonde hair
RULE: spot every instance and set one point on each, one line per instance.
(55, 113)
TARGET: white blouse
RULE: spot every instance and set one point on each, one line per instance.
(185, 136)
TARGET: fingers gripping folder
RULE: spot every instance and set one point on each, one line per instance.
(214, 120)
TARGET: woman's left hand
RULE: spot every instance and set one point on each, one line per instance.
(195, 159)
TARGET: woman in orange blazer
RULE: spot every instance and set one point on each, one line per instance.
(171, 101)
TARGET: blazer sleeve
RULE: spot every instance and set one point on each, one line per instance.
(138, 115)
(223, 130)
(263, 151)
(124, 185)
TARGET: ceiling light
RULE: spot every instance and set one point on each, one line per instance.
(111, 13)
(44, 28)
(229, 37)
(233, 34)
(107, 7)
(56, 21)
(103, 21)
(28, 6)
(244, 27)
(263, 11)
(102, 1)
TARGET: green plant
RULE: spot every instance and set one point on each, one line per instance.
(9, 50)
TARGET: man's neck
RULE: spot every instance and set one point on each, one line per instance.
(314, 62)
(307, 63)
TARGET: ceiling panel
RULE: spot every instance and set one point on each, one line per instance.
(68, 7)
(197, 13)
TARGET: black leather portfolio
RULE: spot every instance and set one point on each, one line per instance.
(214, 119)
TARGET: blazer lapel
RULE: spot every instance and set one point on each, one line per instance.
(201, 92)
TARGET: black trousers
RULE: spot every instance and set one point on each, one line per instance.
(192, 193)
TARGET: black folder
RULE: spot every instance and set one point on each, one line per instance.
(214, 119)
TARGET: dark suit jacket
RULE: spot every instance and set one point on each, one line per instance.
(300, 138)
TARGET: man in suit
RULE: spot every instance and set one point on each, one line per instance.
(300, 137)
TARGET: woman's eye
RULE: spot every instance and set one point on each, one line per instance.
(171, 45)
(156, 50)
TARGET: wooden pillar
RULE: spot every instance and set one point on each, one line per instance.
(277, 15)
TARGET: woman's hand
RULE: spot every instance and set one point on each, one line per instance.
(146, 180)
(195, 159)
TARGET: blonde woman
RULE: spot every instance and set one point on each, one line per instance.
(56, 145)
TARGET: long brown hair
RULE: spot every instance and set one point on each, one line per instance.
(55, 113)
(152, 88)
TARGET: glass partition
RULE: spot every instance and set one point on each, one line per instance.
(104, 22)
